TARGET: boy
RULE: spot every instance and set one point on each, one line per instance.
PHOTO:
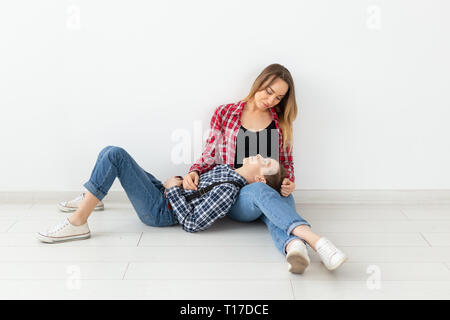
(215, 204)
(165, 204)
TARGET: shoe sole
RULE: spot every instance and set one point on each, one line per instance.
(64, 239)
(338, 264)
(298, 263)
(70, 209)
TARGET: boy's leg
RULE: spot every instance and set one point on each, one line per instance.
(143, 189)
(85, 209)
(158, 184)
(89, 202)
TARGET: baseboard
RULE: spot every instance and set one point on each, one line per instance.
(414, 197)
(54, 196)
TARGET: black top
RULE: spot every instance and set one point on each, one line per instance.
(250, 143)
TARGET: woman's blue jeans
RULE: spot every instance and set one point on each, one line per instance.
(145, 192)
(258, 200)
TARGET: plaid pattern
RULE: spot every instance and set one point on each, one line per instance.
(225, 125)
(200, 213)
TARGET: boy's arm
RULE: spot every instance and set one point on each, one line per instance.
(215, 205)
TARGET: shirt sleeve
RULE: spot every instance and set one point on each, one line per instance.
(207, 160)
(215, 205)
(287, 161)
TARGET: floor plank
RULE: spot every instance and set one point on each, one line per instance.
(361, 290)
(405, 247)
(148, 289)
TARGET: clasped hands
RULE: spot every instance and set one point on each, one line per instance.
(173, 181)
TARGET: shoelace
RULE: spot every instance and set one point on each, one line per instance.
(57, 227)
(327, 249)
(77, 199)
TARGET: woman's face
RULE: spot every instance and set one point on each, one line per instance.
(269, 97)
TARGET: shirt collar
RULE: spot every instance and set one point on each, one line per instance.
(236, 175)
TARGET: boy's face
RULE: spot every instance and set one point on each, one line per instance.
(258, 166)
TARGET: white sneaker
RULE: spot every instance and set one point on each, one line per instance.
(64, 231)
(297, 257)
(331, 256)
(72, 205)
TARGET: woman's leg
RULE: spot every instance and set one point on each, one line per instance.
(143, 190)
(258, 199)
(302, 231)
(280, 215)
(306, 233)
(245, 209)
(280, 239)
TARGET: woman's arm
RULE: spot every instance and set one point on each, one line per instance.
(288, 162)
(288, 185)
(207, 160)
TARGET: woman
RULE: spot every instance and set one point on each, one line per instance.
(262, 124)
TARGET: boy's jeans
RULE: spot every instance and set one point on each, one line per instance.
(258, 200)
(145, 192)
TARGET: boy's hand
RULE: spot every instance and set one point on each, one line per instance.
(172, 182)
(190, 181)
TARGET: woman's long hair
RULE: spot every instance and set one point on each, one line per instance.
(286, 109)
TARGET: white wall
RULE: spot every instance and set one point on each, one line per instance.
(372, 80)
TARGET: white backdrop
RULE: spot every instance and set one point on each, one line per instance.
(372, 81)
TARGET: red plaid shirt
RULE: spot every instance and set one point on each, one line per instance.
(225, 125)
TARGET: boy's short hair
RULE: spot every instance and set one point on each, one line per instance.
(276, 180)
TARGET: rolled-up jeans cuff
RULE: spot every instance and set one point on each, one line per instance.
(94, 190)
(296, 224)
(292, 237)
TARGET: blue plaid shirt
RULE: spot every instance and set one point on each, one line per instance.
(200, 213)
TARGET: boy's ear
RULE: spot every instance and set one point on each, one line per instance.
(260, 178)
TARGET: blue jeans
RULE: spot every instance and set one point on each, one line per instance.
(258, 200)
(145, 192)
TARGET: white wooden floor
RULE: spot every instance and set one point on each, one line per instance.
(395, 252)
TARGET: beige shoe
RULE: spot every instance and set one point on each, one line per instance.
(64, 231)
(297, 257)
(72, 205)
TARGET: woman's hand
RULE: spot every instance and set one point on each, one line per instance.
(190, 181)
(287, 187)
(172, 182)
